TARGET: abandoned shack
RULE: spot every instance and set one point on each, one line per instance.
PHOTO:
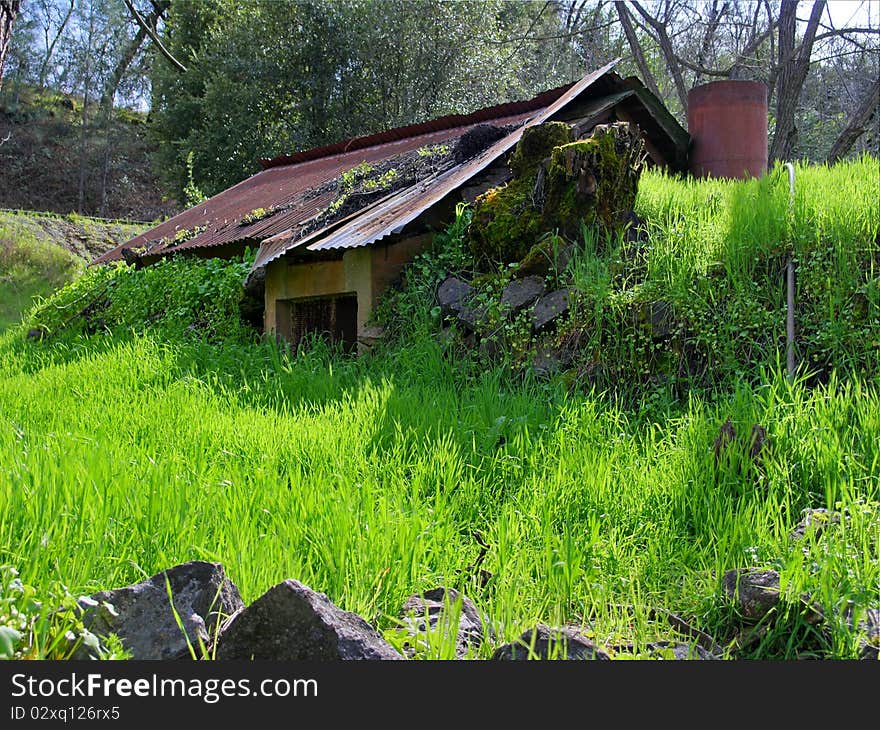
(336, 224)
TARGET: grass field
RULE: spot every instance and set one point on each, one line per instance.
(128, 451)
(41, 252)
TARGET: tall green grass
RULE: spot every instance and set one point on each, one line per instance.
(127, 448)
(30, 268)
(368, 483)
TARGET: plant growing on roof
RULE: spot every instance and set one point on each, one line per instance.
(436, 150)
(185, 234)
(355, 174)
(257, 214)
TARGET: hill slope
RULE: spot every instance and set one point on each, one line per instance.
(42, 157)
(40, 253)
(151, 430)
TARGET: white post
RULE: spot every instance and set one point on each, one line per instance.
(789, 277)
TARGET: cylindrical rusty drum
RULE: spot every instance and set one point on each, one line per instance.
(727, 121)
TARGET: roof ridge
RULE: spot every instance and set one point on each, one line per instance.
(449, 121)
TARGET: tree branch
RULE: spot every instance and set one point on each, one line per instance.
(666, 48)
(154, 37)
(857, 124)
(636, 48)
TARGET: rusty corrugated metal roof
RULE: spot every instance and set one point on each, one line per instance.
(286, 182)
(295, 186)
(392, 213)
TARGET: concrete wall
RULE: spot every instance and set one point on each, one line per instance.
(366, 272)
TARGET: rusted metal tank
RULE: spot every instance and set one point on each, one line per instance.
(727, 121)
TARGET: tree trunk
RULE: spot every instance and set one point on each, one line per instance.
(50, 47)
(121, 67)
(636, 48)
(83, 148)
(672, 64)
(793, 65)
(8, 12)
(858, 124)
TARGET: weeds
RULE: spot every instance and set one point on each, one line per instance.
(147, 443)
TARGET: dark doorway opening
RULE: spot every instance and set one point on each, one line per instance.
(334, 318)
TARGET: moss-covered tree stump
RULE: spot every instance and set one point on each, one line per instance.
(559, 185)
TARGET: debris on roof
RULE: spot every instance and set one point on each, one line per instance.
(356, 192)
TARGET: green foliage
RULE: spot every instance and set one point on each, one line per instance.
(355, 175)
(436, 150)
(29, 268)
(367, 478)
(409, 311)
(192, 195)
(185, 234)
(179, 297)
(257, 214)
(382, 182)
(338, 69)
(697, 299)
(45, 623)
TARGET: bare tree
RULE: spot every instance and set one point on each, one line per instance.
(793, 64)
(636, 47)
(49, 23)
(858, 123)
(662, 37)
(8, 12)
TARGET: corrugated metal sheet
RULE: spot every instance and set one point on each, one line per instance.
(391, 214)
(288, 186)
(291, 184)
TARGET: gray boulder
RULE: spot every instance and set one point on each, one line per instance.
(143, 618)
(522, 292)
(291, 622)
(756, 592)
(427, 611)
(549, 308)
(544, 642)
(452, 294)
(472, 318)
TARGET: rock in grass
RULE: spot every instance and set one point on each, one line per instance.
(427, 611)
(549, 308)
(291, 622)
(814, 522)
(472, 317)
(143, 617)
(668, 650)
(521, 292)
(452, 294)
(756, 592)
(544, 642)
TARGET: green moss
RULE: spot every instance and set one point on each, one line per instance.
(548, 255)
(257, 214)
(535, 146)
(559, 186)
(505, 223)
